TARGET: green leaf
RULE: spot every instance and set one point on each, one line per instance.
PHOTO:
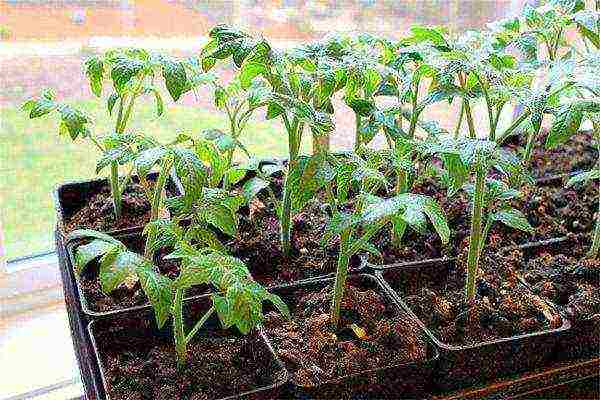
(160, 107)
(432, 34)
(221, 217)
(94, 69)
(513, 218)
(123, 70)
(361, 107)
(40, 107)
(565, 125)
(438, 219)
(279, 304)
(337, 224)
(251, 70)
(175, 78)
(85, 254)
(253, 187)
(73, 121)
(584, 177)
(110, 103)
(148, 158)
(116, 266)
(158, 290)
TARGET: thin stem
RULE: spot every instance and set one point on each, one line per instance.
(470, 122)
(515, 124)
(341, 275)
(115, 190)
(157, 197)
(460, 119)
(199, 324)
(357, 139)
(475, 239)
(529, 147)
(485, 233)
(488, 104)
(294, 138)
(178, 330)
(358, 244)
(414, 115)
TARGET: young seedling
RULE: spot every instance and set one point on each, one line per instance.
(131, 73)
(120, 266)
(472, 159)
(355, 223)
(256, 58)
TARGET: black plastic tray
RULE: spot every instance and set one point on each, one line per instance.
(264, 347)
(491, 359)
(406, 379)
(582, 340)
(65, 208)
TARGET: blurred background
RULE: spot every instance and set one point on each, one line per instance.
(43, 43)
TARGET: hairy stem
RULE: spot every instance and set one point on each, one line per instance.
(414, 116)
(357, 140)
(178, 329)
(460, 119)
(470, 122)
(157, 197)
(341, 274)
(294, 137)
(199, 324)
(476, 235)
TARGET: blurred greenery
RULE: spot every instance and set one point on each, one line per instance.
(34, 159)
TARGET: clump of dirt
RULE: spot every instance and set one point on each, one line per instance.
(140, 363)
(577, 154)
(503, 307)
(371, 335)
(97, 213)
(565, 277)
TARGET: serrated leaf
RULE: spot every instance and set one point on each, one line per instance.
(116, 266)
(148, 158)
(175, 78)
(253, 187)
(85, 254)
(94, 69)
(158, 289)
(565, 125)
(513, 218)
(221, 217)
(251, 70)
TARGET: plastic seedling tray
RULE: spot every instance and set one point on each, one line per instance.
(143, 320)
(467, 365)
(410, 379)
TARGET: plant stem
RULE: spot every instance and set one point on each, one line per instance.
(294, 136)
(161, 182)
(199, 324)
(341, 274)
(178, 330)
(414, 115)
(476, 236)
(470, 122)
(529, 147)
(357, 140)
(460, 119)
(522, 117)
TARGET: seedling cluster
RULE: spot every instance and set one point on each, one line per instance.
(389, 85)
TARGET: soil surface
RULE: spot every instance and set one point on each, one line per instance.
(97, 213)
(315, 353)
(140, 363)
(565, 276)
(258, 243)
(553, 210)
(503, 307)
(577, 154)
(124, 296)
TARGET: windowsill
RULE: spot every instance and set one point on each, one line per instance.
(35, 339)
(37, 352)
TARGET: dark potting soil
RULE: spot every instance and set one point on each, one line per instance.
(565, 277)
(130, 295)
(258, 244)
(552, 209)
(314, 352)
(503, 307)
(577, 154)
(140, 364)
(555, 211)
(98, 213)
